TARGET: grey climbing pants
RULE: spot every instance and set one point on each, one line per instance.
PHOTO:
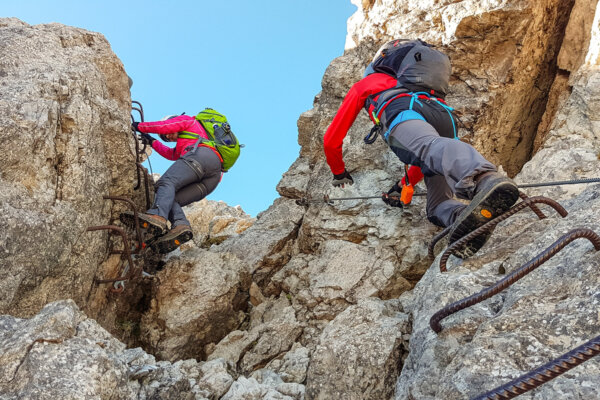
(191, 178)
(449, 166)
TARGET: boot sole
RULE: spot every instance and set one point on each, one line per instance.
(490, 202)
(149, 226)
(168, 243)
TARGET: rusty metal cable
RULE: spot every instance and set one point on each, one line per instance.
(435, 321)
(492, 224)
(442, 234)
(437, 238)
(533, 207)
(126, 252)
(545, 373)
(141, 168)
(138, 232)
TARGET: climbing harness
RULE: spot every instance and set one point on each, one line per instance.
(377, 113)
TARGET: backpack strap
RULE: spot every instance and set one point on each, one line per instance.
(199, 139)
(445, 106)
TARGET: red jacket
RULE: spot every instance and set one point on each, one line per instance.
(178, 124)
(354, 102)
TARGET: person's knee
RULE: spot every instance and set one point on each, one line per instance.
(164, 182)
(436, 221)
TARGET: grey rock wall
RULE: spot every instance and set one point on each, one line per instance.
(333, 300)
(65, 143)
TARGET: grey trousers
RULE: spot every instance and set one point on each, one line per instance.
(191, 178)
(449, 166)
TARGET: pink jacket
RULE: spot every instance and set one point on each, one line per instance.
(178, 124)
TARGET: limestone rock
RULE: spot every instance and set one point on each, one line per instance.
(503, 55)
(318, 300)
(198, 299)
(61, 354)
(215, 221)
(251, 389)
(293, 366)
(363, 345)
(66, 143)
(273, 332)
(265, 247)
(547, 313)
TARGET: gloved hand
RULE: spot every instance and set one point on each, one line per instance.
(392, 197)
(147, 139)
(342, 179)
(134, 126)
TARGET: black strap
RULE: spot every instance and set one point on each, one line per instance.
(372, 135)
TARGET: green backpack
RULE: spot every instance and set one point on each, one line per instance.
(221, 137)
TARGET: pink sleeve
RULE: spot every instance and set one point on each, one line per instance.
(165, 151)
(173, 125)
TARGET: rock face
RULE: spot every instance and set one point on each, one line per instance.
(366, 340)
(214, 221)
(66, 143)
(333, 300)
(61, 354)
(196, 301)
(547, 313)
(503, 60)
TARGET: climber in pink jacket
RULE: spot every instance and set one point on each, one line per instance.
(195, 173)
(169, 131)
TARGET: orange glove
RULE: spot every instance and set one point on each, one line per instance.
(407, 194)
(414, 176)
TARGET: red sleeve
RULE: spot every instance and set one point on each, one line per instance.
(344, 118)
(414, 175)
(177, 124)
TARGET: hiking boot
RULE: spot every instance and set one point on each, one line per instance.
(172, 240)
(154, 224)
(495, 194)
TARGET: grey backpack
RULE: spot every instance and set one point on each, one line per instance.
(416, 65)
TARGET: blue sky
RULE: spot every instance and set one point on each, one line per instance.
(258, 62)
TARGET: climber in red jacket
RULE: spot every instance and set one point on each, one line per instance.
(353, 102)
(403, 91)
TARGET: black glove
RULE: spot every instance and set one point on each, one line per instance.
(147, 139)
(342, 179)
(392, 197)
(134, 126)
